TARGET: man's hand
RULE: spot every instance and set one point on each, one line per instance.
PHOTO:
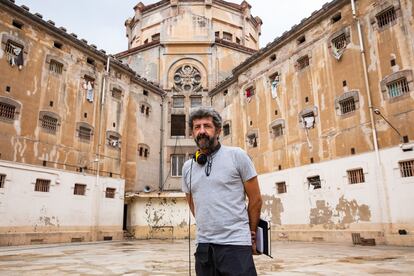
(253, 234)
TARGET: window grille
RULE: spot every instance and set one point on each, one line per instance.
(386, 17)
(110, 192)
(79, 189)
(55, 66)
(277, 130)
(85, 133)
(281, 187)
(42, 185)
(226, 129)
(340, 41)
(7, 111)
(2, 180)
(196, 101)
(116, 93)
(12, 48)
(398, 87)
(49, 123)
(407, 168)
(114, 141)
(303, 62)
(315, 182)
(356, 176)
(347, 105)
(177, 125)
(177, 162)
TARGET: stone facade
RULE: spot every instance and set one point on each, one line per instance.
(324, 115)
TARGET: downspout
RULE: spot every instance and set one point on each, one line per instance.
(384, 198)
(98, 153)
(161, 145)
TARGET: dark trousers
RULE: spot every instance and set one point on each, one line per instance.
(224, 260)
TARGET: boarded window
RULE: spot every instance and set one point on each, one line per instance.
(281, 187)
(356, 176)
(85, 133)
(177, 125)
(347, 105)
(226, 129)
(314, 182)
(386, 17)
(55, 66)
(110, 192)
(7, 111)
(196, 101)
(398, 87)
(2, 180)
(303, 62)
(407, 168)
(49, 123)
(177, 162)
(178, 102)
(42, 185)
(79, 189)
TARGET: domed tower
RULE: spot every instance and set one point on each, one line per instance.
(187, 47)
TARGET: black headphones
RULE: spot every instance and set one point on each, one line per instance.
(202, 158)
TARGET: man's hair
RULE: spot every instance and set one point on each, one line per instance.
(205, 112)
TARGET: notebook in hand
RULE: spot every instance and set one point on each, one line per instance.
(263, 238)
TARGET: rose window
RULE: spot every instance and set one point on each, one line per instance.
(187, 79)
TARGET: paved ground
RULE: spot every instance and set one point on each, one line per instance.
(157, 257)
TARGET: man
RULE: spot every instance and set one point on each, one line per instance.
(216, 185)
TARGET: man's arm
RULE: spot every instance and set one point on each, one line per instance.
(254, 207)
(190, 202)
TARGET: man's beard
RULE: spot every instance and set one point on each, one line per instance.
(205, 142)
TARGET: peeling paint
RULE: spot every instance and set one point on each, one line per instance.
(273, 207)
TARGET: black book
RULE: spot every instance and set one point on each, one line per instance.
(263, 238)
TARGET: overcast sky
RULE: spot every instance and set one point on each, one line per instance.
(101, 22)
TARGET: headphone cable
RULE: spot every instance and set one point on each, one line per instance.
(189, 222)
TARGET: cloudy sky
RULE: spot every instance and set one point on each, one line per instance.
(101, 22)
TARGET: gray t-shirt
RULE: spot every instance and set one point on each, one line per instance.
(219, 199)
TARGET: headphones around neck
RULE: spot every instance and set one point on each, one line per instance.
(202, 158)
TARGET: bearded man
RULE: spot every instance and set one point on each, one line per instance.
(216, 182)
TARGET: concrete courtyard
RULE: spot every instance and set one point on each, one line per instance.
(161, 257)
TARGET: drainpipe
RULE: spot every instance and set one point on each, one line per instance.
(161, 145)
(98, 156)
(383, 195)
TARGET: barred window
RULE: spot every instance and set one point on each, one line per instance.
(226, 129)
(7, 111)
(55, 66)
(303, 62)
(110, 192)
(79, 189)
(49, 123)
(347, 105)
(277, 130)
(2, 180)
(116, 93)
(281, 187)
(13, 49)
(177, 162)
(356, 176)
(114, 141)
(42, 185)
(386, 17)
(407, 168)
(315, 182)
(340, 41)
(398, 87)
(85, 133)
